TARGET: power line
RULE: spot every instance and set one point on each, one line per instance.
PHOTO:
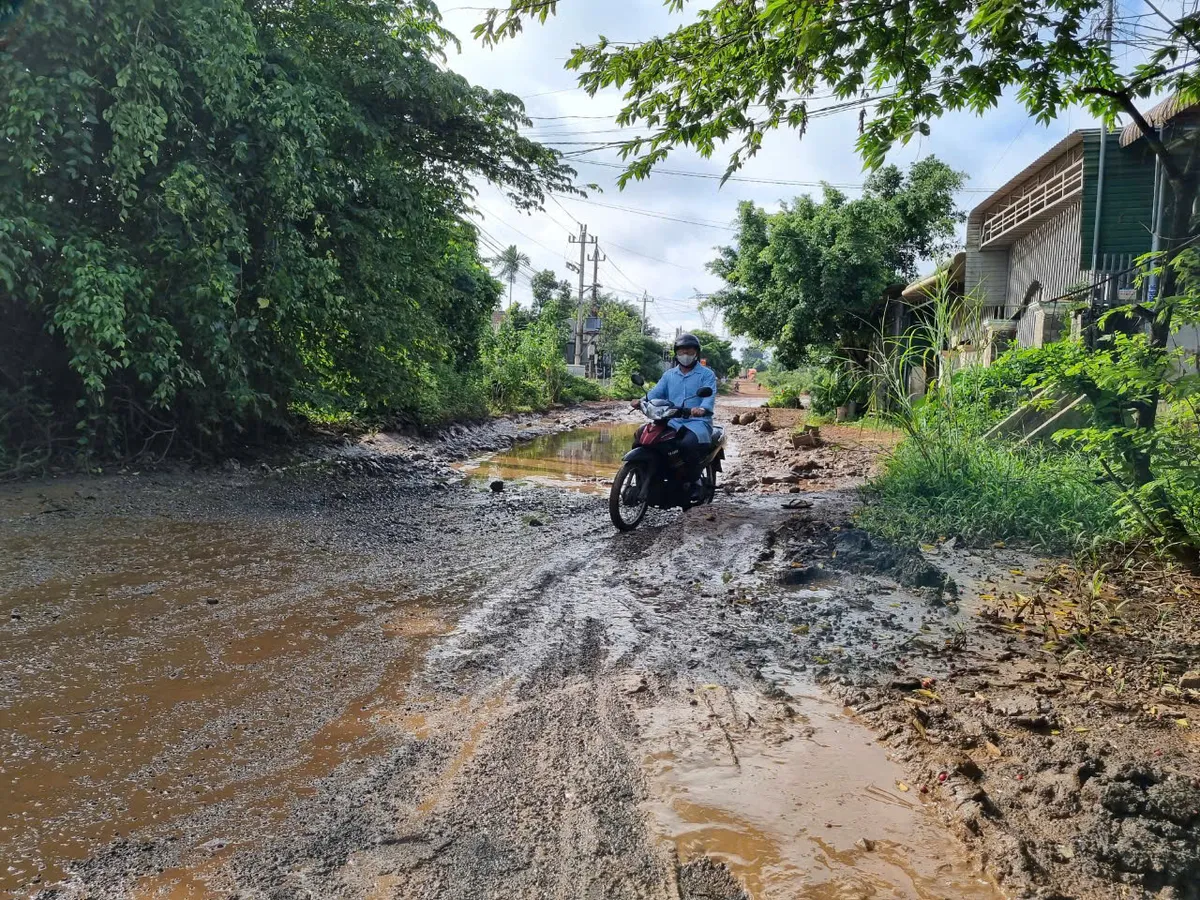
(665, 262)
(564, 209)
(649, 213)
(518, 231)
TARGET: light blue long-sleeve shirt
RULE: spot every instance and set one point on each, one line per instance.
(679, 388)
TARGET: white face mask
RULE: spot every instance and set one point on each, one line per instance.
(686, 359)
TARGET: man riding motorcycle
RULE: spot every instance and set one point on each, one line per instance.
(679, 386)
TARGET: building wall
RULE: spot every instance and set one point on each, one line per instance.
(1127, 200)
(987, 272)
(1049, 254)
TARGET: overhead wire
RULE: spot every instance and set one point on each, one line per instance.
(649, 213)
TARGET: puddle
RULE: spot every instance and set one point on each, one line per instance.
(800, 804)
(582, 458)
(156, 671)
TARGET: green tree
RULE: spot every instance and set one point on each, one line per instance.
(718, 352)
(754, 356)
(643, 352)
(509, 264)
(741, 69)
(216, 212)
(551, 295)
(622, 337)
(815, 273)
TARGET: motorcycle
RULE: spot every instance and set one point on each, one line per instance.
(655, 473)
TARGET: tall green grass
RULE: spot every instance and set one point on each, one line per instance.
(945, 480)
(934, 487)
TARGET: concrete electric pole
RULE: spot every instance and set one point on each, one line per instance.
(596, 258)
(583, 240)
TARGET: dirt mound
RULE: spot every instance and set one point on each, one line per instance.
(704, 879)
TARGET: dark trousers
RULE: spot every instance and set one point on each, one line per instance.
(691, 450)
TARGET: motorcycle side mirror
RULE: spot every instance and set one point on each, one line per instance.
(704, 392)
(637, 379)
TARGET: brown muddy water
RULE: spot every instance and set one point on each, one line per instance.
(582, 459)
(797, 799)
(155, 670)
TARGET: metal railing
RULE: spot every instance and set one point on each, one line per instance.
(1038, 199)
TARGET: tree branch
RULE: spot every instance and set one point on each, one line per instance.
(1123, 99)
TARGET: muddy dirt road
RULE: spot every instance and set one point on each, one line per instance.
(368, 674)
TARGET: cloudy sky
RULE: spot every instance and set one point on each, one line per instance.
(665, 232)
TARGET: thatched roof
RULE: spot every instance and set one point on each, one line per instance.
(1158, 115)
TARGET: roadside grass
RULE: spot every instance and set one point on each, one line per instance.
(869, 422)
(985, 492)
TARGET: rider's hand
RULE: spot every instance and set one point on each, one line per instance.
(699, 411)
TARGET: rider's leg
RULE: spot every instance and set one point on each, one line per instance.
(690, 448)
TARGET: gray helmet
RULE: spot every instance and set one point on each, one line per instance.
(687, 340)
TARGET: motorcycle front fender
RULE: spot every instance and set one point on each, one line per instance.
(636, 453)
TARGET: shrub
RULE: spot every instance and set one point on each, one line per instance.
(577, 389)
(985, 395)
(622, 387)
(936, 486)
(946, 479)
(787, 387)
(836, 385)
(524, 369)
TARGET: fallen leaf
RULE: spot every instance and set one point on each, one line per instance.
(1016, 572)
(925, 693)
(987, 596)
(920, 728)
(992, 749)
(1182, 723)
(927, 547)
(712, 687)
(902, 786)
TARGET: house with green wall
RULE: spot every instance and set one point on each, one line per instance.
(1067, 228)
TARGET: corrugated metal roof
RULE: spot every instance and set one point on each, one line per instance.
(1068, 143)
(1157, 115)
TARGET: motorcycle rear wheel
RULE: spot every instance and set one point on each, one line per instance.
(631, 481)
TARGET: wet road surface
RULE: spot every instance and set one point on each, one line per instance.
(379, 679)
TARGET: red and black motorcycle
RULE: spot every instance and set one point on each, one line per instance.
(655, 472)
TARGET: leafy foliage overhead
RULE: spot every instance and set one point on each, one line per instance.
(743, 69)
(816, 272)
(215, 210)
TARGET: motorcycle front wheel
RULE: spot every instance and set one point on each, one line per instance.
(630, 495)
(709, 480)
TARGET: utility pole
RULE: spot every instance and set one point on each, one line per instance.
(645, 300)
(597, 257)
(1108, 33)
(583, 240)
